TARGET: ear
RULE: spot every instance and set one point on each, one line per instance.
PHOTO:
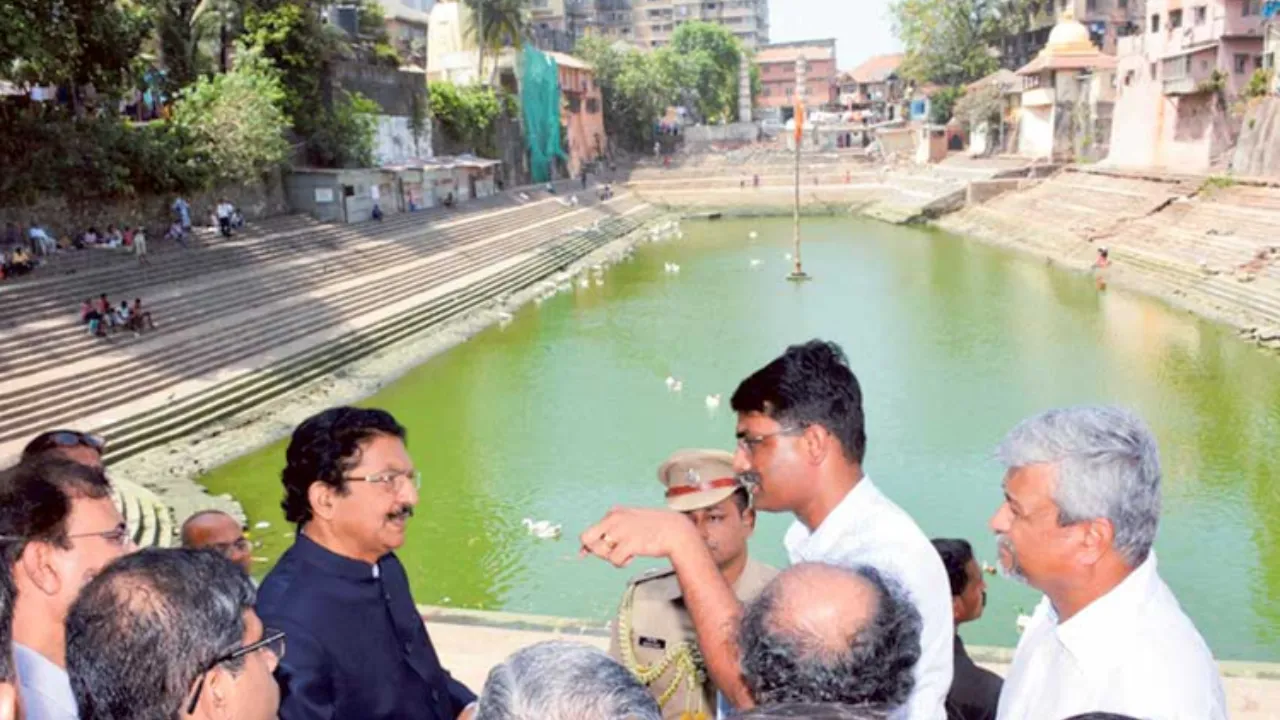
(39, 564)
(217, 686)
(817, 443)
(8, 701)
(323, 499)
(749, 519)
(1098, 539)
(957, 609)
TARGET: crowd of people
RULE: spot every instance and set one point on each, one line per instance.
(22, 251)
(101, 316)
(861, 625)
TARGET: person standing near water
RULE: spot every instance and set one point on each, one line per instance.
(653, 635)
(357, 646)
(1080, 513)
(801, 440)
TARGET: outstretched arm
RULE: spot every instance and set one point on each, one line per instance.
(627, 533)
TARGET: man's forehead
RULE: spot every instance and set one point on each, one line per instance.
(755, 421)
(1029, 483)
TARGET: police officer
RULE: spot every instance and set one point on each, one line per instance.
(653, 635)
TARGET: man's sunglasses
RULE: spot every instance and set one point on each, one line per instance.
(272, 640)
(68, 438)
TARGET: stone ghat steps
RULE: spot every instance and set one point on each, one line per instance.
(63, 400)
(298, 235)
(227, 293)
(1259, 302)
(55, 275)
(177, 419)
(148, 519)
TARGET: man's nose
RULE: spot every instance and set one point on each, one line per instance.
(741, 460)
(408, 494)
(999, 522)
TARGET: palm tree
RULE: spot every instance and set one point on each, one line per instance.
(226, 14)
(496, 24)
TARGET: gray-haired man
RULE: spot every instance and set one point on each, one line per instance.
(1082, 503)
(559, 680)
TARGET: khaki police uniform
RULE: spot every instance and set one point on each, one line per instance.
(653, 635)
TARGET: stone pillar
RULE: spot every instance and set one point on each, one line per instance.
(745, 101)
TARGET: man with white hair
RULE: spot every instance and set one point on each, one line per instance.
(1081, 507)
(559, 680)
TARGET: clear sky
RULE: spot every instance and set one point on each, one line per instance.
(860, 27)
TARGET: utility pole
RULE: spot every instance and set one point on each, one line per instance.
(797, 273)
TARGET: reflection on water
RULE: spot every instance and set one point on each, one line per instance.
(564, 412)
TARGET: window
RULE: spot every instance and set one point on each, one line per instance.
(1242, 62)
(1155, 23)
(1201, 14)
(790, 90)
(593, 106)
(1251, 7)
(1257, 62)
(1175, 19)
(1153, 71)
(1123, 4)
(1092, 5)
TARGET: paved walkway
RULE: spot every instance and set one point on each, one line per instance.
(471, 642)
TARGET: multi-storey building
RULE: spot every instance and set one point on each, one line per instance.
(1106, 20)
(649, 23)
(1175, 79)
(777, 65)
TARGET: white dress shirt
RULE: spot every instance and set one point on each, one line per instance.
(867, 528)
(44, 687)
(1132, 651)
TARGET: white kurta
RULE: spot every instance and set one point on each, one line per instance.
(1132, 651)
(867, 528)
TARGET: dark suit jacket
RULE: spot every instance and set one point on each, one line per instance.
(974, 690)
(356, 646)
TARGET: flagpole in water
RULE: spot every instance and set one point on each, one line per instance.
(798, 274)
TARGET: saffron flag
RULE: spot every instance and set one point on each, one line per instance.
(799, 120)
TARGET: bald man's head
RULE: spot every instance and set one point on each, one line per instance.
(216, 530)
(824, 634)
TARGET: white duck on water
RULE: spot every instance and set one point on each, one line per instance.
(541, 529)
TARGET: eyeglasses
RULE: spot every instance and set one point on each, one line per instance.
(391, 479)
(750, 443)
(240, 544)
(118, 535)
(272, 641)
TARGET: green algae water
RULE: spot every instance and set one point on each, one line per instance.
(565, 412)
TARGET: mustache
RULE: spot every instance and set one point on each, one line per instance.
(750, 480)
(404, 512)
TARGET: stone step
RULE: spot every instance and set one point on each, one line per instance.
(179, 418)
(39, 406)
(235, 294)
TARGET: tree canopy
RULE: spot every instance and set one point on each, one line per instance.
(954, 42)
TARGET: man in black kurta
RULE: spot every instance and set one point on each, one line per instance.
(357, 646)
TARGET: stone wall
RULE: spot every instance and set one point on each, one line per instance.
(62, 216)
(742, 132)
(1257, 154)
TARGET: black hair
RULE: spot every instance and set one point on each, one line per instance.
(873, 667)
(742, 499)
(1101, 716)
(809, 384)
(956, 555)
(817, 711)
(324, 448)
(7, 595)
(147, 626)
(35, 501)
